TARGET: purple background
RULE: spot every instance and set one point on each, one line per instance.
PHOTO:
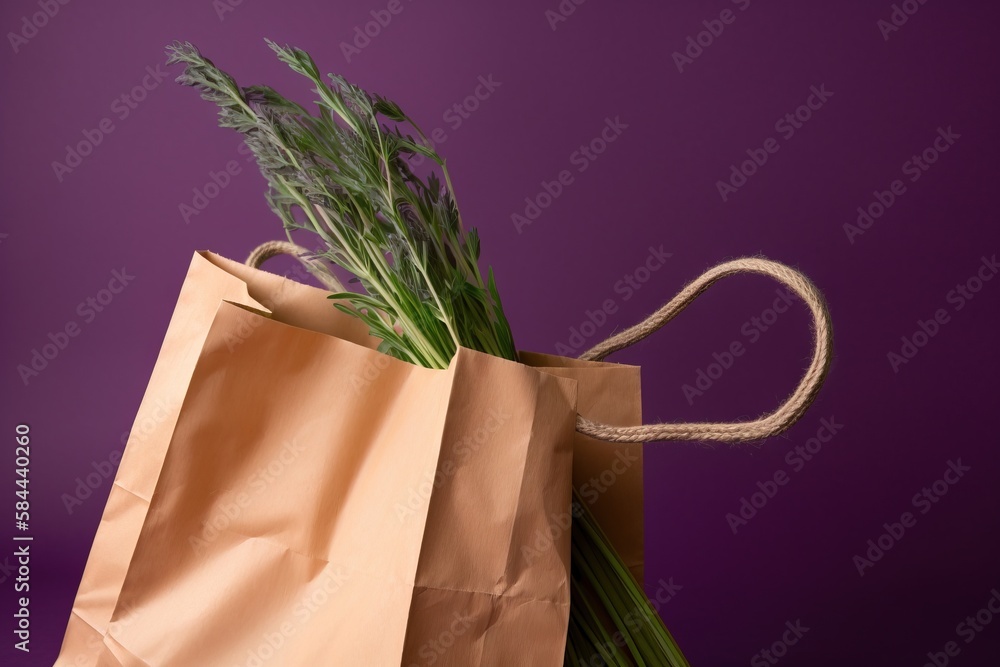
(655, 185)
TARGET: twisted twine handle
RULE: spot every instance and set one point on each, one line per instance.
(772, 424)
(266, 251)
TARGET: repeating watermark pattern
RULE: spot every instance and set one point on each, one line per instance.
(462, 451)
(624, 289)
(224, 7)
(31, 24)
(958, 297)
(582, 158)
(786, 126)
(360, 382)
(591, 491)
(559, 524)
(772, 655)
(231, 505)
(796, 460)
(215, 183)
(364, 33)
(562, 12)
(100, 471)
(6, 570)
(126, 615)
(319, 593)
(456, 115)
(634, 620)
(751, 330)
(913, 169)
(121, 108)
(697, 43)
(434, 649)
(88, 310)
(898, 17)
(923, 501)
(967, 630)
(247, 326)
(666, 590)
(85, 486)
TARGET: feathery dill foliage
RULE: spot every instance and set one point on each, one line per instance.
(344, 174)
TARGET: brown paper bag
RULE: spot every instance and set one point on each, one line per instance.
(607, 475)
(322, 503)
(609, 391)
(158, 591)
(210, 280)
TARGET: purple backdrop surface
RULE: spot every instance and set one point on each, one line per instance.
(881, 94)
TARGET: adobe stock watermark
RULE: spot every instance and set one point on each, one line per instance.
(751, 330)
(224, 7)
(786, 126)
(561, 12)
(121, 108)
(88, 310)
(772, 655)
(126, 615)
(463, 450)
(230, 506)
(635, 619)
(958, 297)
(624, 289)
(796, 460)
(582, 159)
(318, 595)
(923, 501)
(967, 630)
(434, 649)
(457, 114)
(898, 17)
(32, 23)
(590, 491)
(247, 326)
(363, 33)
(7, 569)
(216, 181)
(103, 470)
(697, 43)
(361, 382)
(913, 169)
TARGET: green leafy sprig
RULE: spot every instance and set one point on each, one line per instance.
(344, 174)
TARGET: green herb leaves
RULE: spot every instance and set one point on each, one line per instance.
(345, 175)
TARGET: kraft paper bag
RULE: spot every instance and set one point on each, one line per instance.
(607, 475)
(108, 612)
(210, 280)
(323, 504)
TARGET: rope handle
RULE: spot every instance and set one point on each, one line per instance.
(771, 424)
(266, 251)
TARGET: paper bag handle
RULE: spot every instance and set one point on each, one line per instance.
(266, 251)
(772, 424)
